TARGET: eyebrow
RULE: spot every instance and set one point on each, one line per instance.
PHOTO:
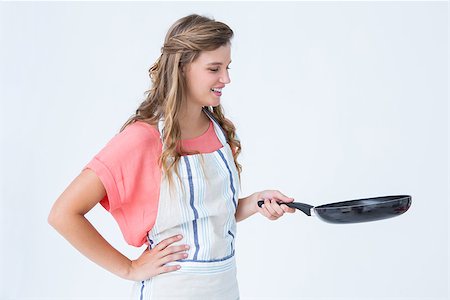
(217, 63)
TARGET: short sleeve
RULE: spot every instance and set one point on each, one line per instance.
(107, 177)
(128, 168)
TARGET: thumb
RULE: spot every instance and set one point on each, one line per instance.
(283, 197)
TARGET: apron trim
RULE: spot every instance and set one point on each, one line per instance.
(191, 202)
(142, 290)
(206, 266)
(208, 260)
(231, 176)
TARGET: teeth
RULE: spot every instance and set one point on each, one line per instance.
(216, 90)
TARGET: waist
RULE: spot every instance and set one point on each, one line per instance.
(205, 266)
(215, 280)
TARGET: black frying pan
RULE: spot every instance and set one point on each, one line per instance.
(356, 211)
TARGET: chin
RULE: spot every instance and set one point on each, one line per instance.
(213, 103)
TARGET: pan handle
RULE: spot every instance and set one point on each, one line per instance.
(305, 208)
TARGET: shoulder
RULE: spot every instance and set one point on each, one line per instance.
(136, 138)
(139, 132)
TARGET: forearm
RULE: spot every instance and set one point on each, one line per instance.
(246, 207)
(76, 229)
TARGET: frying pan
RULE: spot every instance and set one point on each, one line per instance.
(355, 211)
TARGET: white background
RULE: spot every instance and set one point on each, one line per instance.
(332, 100)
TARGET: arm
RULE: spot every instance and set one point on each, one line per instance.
(246, 207)
(67, 217)
(271, 209)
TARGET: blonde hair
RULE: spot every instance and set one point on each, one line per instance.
(183, 43)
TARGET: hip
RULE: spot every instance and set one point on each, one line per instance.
(195, 280)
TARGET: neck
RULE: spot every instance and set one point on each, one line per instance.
(191, 115)
(192, 119)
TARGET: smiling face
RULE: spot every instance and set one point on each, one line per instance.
(207, 75)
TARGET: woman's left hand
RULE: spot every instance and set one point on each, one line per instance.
(271, 208)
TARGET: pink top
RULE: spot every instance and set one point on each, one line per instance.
(128, 168)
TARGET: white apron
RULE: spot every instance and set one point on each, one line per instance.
(204, 215)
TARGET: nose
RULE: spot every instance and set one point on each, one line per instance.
(225, 78)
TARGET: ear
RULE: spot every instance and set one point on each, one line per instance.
(185, 68)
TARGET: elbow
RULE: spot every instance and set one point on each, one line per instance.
(56, 217)
(52, 218)
(61, 217)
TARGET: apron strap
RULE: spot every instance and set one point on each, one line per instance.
(220, 133)
(161, 127)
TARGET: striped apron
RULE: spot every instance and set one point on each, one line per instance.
(201, 207)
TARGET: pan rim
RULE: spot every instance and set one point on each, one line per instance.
(397, 198)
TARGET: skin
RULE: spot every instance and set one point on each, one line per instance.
(67, 215)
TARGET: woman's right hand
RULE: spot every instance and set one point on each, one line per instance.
(152, 261)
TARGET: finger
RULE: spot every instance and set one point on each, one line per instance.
(166, 269)
(265, 212)
(269, 216)
(287, 208)
(276, 207)
(164, 243)
(272, 215)
(282, 197)
(272, 218)
(173, 249)
(269, 208)
(172, 257)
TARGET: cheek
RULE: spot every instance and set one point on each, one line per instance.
(200, 82)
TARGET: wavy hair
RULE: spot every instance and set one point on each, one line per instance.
(183, 43)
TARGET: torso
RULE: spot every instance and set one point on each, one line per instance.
(201, 206)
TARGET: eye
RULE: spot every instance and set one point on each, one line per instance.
(215, 70)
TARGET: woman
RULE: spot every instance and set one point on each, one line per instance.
(170, 177)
